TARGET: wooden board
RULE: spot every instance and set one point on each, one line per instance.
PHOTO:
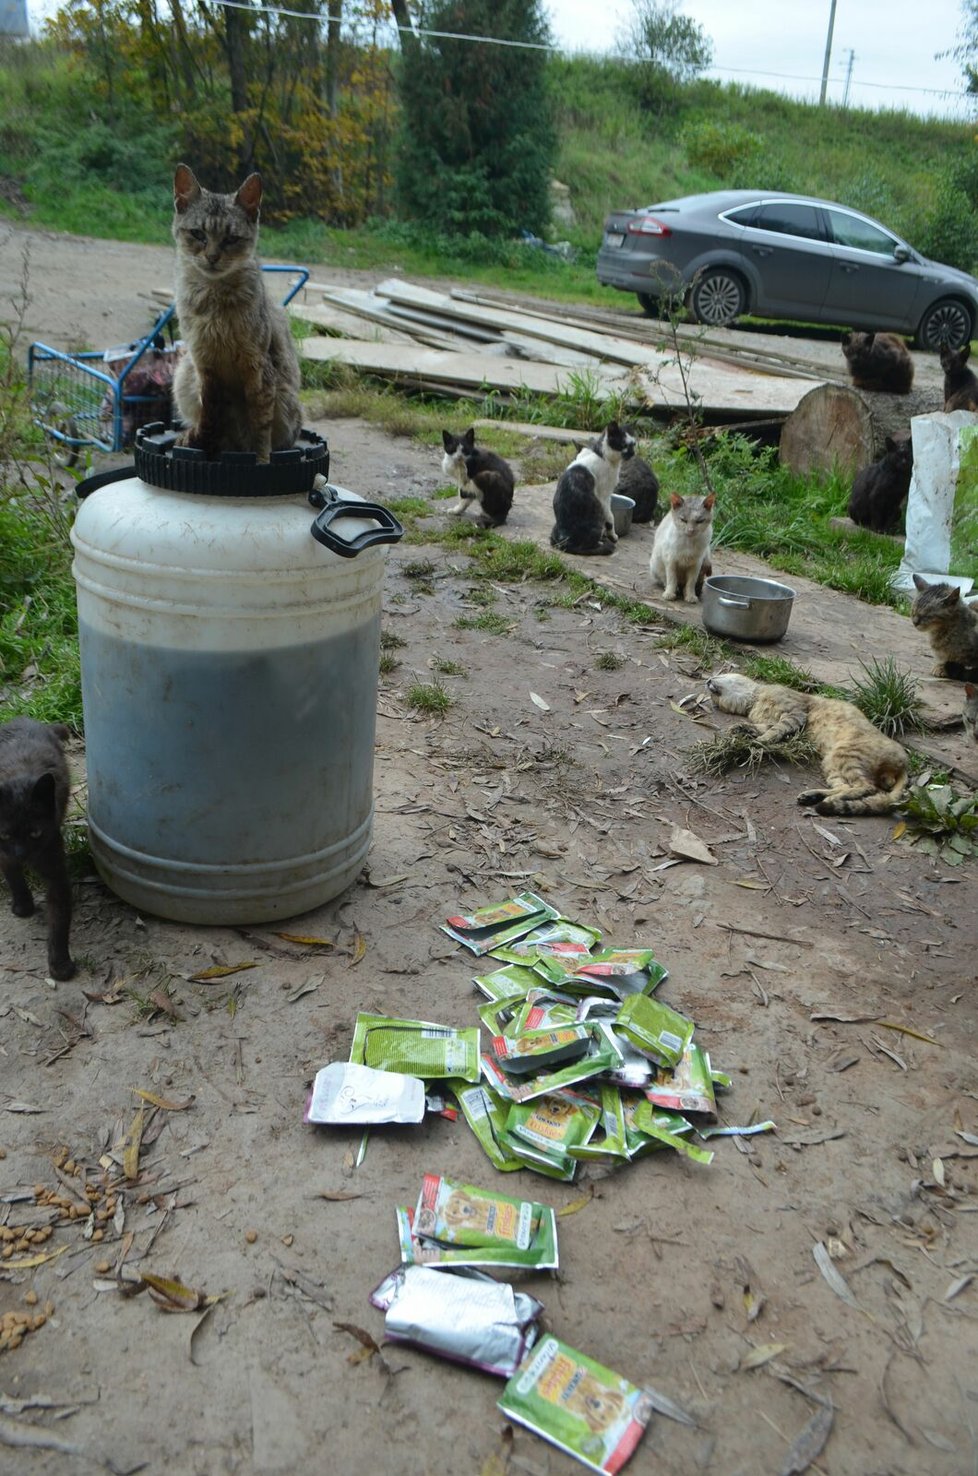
(416, 362)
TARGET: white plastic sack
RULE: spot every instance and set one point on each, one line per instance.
(943, 487)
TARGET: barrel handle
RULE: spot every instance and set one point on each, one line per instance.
(334, 508)
(737, 604)
(102, 479)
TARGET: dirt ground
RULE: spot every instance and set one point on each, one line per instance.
(829, 969)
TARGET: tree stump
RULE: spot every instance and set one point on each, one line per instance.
(836, 426)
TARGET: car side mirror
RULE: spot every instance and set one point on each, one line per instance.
(900, 253)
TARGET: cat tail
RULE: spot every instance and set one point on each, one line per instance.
(872, 802)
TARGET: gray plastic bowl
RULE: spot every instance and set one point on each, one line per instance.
(622, 508)
(746, 609)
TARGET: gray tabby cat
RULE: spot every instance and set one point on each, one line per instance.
(237, 386)
(970, 714)
(951, 626)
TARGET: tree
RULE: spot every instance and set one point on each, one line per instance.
(670, 47)
(477, 141)
(966, 51)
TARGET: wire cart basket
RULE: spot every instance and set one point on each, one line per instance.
(101, 397)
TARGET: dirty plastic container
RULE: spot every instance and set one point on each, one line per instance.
(229, 682)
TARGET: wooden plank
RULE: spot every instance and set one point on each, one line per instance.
(366, 305)
(537, 432)
(478, 370)
(349, 325)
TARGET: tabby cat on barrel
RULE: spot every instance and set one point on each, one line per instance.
(865, 772)
(34, 789)
(237, 385)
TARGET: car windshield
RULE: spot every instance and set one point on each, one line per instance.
(855, 231)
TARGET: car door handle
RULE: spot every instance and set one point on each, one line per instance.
(762, 250)
(848, 266)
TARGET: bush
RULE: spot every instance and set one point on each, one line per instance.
(725, 149)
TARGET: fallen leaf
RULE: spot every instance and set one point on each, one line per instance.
(359, 949)
(543, 706)
(761, 1354)
(665, 1406)
(163, 1102)
(497, 1464)
(335, 1195)
(810, 1443)
(958, 1286)
(307, 988)
(25, 1262)
(31, 1436)
(22, 1107)
(387, 881)
(937, 1167)
(130, 1147)
(219, 971)
(688, 846)
(173, 1296)
(906, 1030)
(163, 1002)
(577, 1204)
(305, 941)
(838, 1283)
(369, 1344)
(899, 829)
(196, 1329)
(809, 1140)
(842, 1019)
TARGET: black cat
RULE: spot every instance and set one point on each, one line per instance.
(482, 476)
(879, 490)
(34, 787)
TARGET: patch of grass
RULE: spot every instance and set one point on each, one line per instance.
(519, 561)
(739, 749)
(448, 668)
(889, 697)
(387, 663)
(391, 641)
(490, 621)
(609, 661)
(39, 667)
(408, 508)
(430, 698)
(779, 670)
(708, 651)
(544, 461)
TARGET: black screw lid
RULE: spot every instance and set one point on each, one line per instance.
(162, 463)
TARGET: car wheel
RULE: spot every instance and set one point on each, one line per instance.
(648, 304)
(717, 297)
(948, 323)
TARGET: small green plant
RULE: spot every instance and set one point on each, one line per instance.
(708, 651)
(420, 573)
(387, 663)
(739, 749)
(490, 621)
(940, 822)
(430, 698)
(448, 668)
(889, 698)
(391, 641)
(779, 670)
(609, 661)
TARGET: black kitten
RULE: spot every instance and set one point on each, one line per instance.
(34, 789)
(878, 491)
(482, 476)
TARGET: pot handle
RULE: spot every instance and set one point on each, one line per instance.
(737, 604)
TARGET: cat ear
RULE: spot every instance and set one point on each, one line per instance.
(448, 441)
(675, 499)
(613, 430)
(42, 795)
(468, 440)
(185, 189)
(890, 444)
(953, 595)
(709, 501)
(920, 582)
(249, 196)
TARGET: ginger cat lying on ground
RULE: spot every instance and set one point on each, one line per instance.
(865, 772)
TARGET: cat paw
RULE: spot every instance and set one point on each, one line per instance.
(62, 968)
(22, 907)
(670, 594)
(811, 796)
(743, 730)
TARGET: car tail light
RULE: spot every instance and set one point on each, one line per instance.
(647, 225)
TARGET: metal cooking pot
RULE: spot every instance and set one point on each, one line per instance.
(622, 508)
(746, 609)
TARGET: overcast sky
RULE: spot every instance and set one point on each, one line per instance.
(894, 41)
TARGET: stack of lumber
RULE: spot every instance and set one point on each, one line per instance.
(469, 343)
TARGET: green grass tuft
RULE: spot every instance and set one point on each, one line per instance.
(737, 749)
(490, 621)
(890, 698)
(430, 698)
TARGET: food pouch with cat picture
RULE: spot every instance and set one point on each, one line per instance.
(415, 1047)
(347, 1094)
(688, 1087)
(541, 1049)
(577, 1404)
(653, 1028)
(487, 927)
(476, 1227)
(461, 1314)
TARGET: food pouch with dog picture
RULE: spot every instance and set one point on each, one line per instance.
(578, 1405)
(688, 1087)
(654, 1029)
(537, 1050)
(488, 927)
(476, 1227)
(551, 1125)
(415, 1047)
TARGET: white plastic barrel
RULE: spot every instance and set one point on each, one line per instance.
(229, 681)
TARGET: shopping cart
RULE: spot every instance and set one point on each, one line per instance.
(101, 397)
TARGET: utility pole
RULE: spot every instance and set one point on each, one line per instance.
(845, 90)
(828, 56)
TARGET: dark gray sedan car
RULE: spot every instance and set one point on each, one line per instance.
(785, 256)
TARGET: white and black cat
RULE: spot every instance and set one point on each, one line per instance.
(34, 788)
(582, 500)
(482, 477)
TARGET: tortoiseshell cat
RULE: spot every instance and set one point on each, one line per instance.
(237, 385)
(865, 772)
(34, 789)
(951, 626)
